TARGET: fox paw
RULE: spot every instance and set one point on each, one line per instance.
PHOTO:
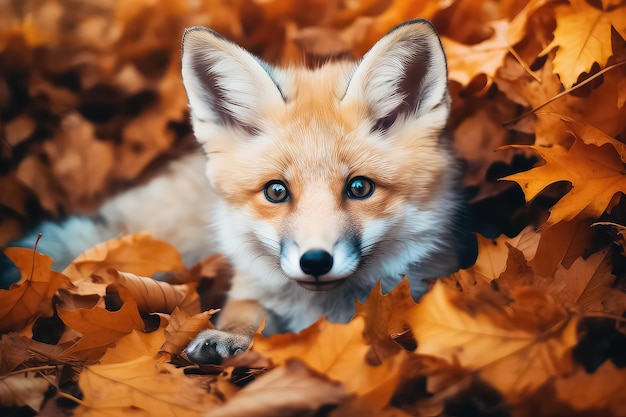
(213, 346)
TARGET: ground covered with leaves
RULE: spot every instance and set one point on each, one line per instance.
(91, 102)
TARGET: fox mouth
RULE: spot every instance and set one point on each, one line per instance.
(320, 285)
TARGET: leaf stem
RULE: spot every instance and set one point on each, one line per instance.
(562, 93)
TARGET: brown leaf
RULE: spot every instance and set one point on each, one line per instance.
(182, 329)
(134, 345)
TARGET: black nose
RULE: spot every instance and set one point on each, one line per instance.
(316, 262)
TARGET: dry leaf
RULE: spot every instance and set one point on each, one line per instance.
(19, 390)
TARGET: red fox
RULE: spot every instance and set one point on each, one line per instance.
(316, 183)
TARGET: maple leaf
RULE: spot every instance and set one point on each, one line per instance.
(385, 317)
(341, 352)
(156, 389)
(31, 296)
(467, 61)
(596, 173)
(182, 328)
(524, 352)
(583, 36)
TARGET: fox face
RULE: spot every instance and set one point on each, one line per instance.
(332, 174)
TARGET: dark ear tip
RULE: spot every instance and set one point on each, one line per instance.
(196, 33)
(424, 23)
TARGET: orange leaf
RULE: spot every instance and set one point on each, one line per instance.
(583, 36)
(596, 174)
(339, 351)
(141, 385)
(32, 295)
(182, 329)
(524, 352)
(137, 253)
(134, 345)
(101, 328)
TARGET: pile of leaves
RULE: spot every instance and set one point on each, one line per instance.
(91, 101)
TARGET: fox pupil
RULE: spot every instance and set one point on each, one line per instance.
(276, 192)
(360, 188)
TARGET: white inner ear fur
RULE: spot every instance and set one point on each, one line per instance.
(241, 85)
(377, 79)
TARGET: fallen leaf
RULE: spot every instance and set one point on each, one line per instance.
(521, 358)
(291, 390)
(32, 295)
(134, 345)
(142, 385)
(20, 389)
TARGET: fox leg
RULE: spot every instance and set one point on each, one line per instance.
(236, 325)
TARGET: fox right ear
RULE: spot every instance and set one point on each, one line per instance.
(405, 74)
(225, 84)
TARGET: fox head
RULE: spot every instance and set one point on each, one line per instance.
(329, 173)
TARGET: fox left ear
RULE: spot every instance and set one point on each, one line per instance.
(404, 73)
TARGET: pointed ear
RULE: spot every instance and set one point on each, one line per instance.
(225, 84)
(404, 73)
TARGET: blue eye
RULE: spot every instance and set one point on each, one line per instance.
(360, 188)
(276, 192)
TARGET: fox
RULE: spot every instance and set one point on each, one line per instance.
(316, 183)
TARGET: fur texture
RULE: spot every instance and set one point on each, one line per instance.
(314, 140)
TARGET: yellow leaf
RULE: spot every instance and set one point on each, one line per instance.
(134, 345)
(583, 36)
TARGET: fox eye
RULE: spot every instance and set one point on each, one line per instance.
(360, 188)
(276, 191)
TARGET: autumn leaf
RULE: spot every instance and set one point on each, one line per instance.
(100, 327)
(138, 253)
(134, 345)
(595, 172)
(32, 295)
(341, 352)
(182, 328)
(385, 317)
(155, 389)
(524, 352)
(291, 390)
(583, 36)
(465, 62)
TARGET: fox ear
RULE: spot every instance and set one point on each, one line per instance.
(225, 84)
(404, 73)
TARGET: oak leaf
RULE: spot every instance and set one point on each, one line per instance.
(524, 352)
(583, 36)
(596, 173)
(32, 294)
(140, 384)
